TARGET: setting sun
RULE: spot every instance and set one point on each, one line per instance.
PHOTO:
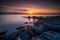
(30, 12)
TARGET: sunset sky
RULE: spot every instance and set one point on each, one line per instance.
(30, 6)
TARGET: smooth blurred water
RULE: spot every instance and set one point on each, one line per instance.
(11, 22)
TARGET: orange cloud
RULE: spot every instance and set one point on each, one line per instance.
(34, 11)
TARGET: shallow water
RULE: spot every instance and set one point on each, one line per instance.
(11, 22)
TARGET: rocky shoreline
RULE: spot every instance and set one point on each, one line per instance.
(45, 28)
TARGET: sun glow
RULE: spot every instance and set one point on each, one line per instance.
(30, 12)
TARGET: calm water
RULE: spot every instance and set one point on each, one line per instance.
(11, 22)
